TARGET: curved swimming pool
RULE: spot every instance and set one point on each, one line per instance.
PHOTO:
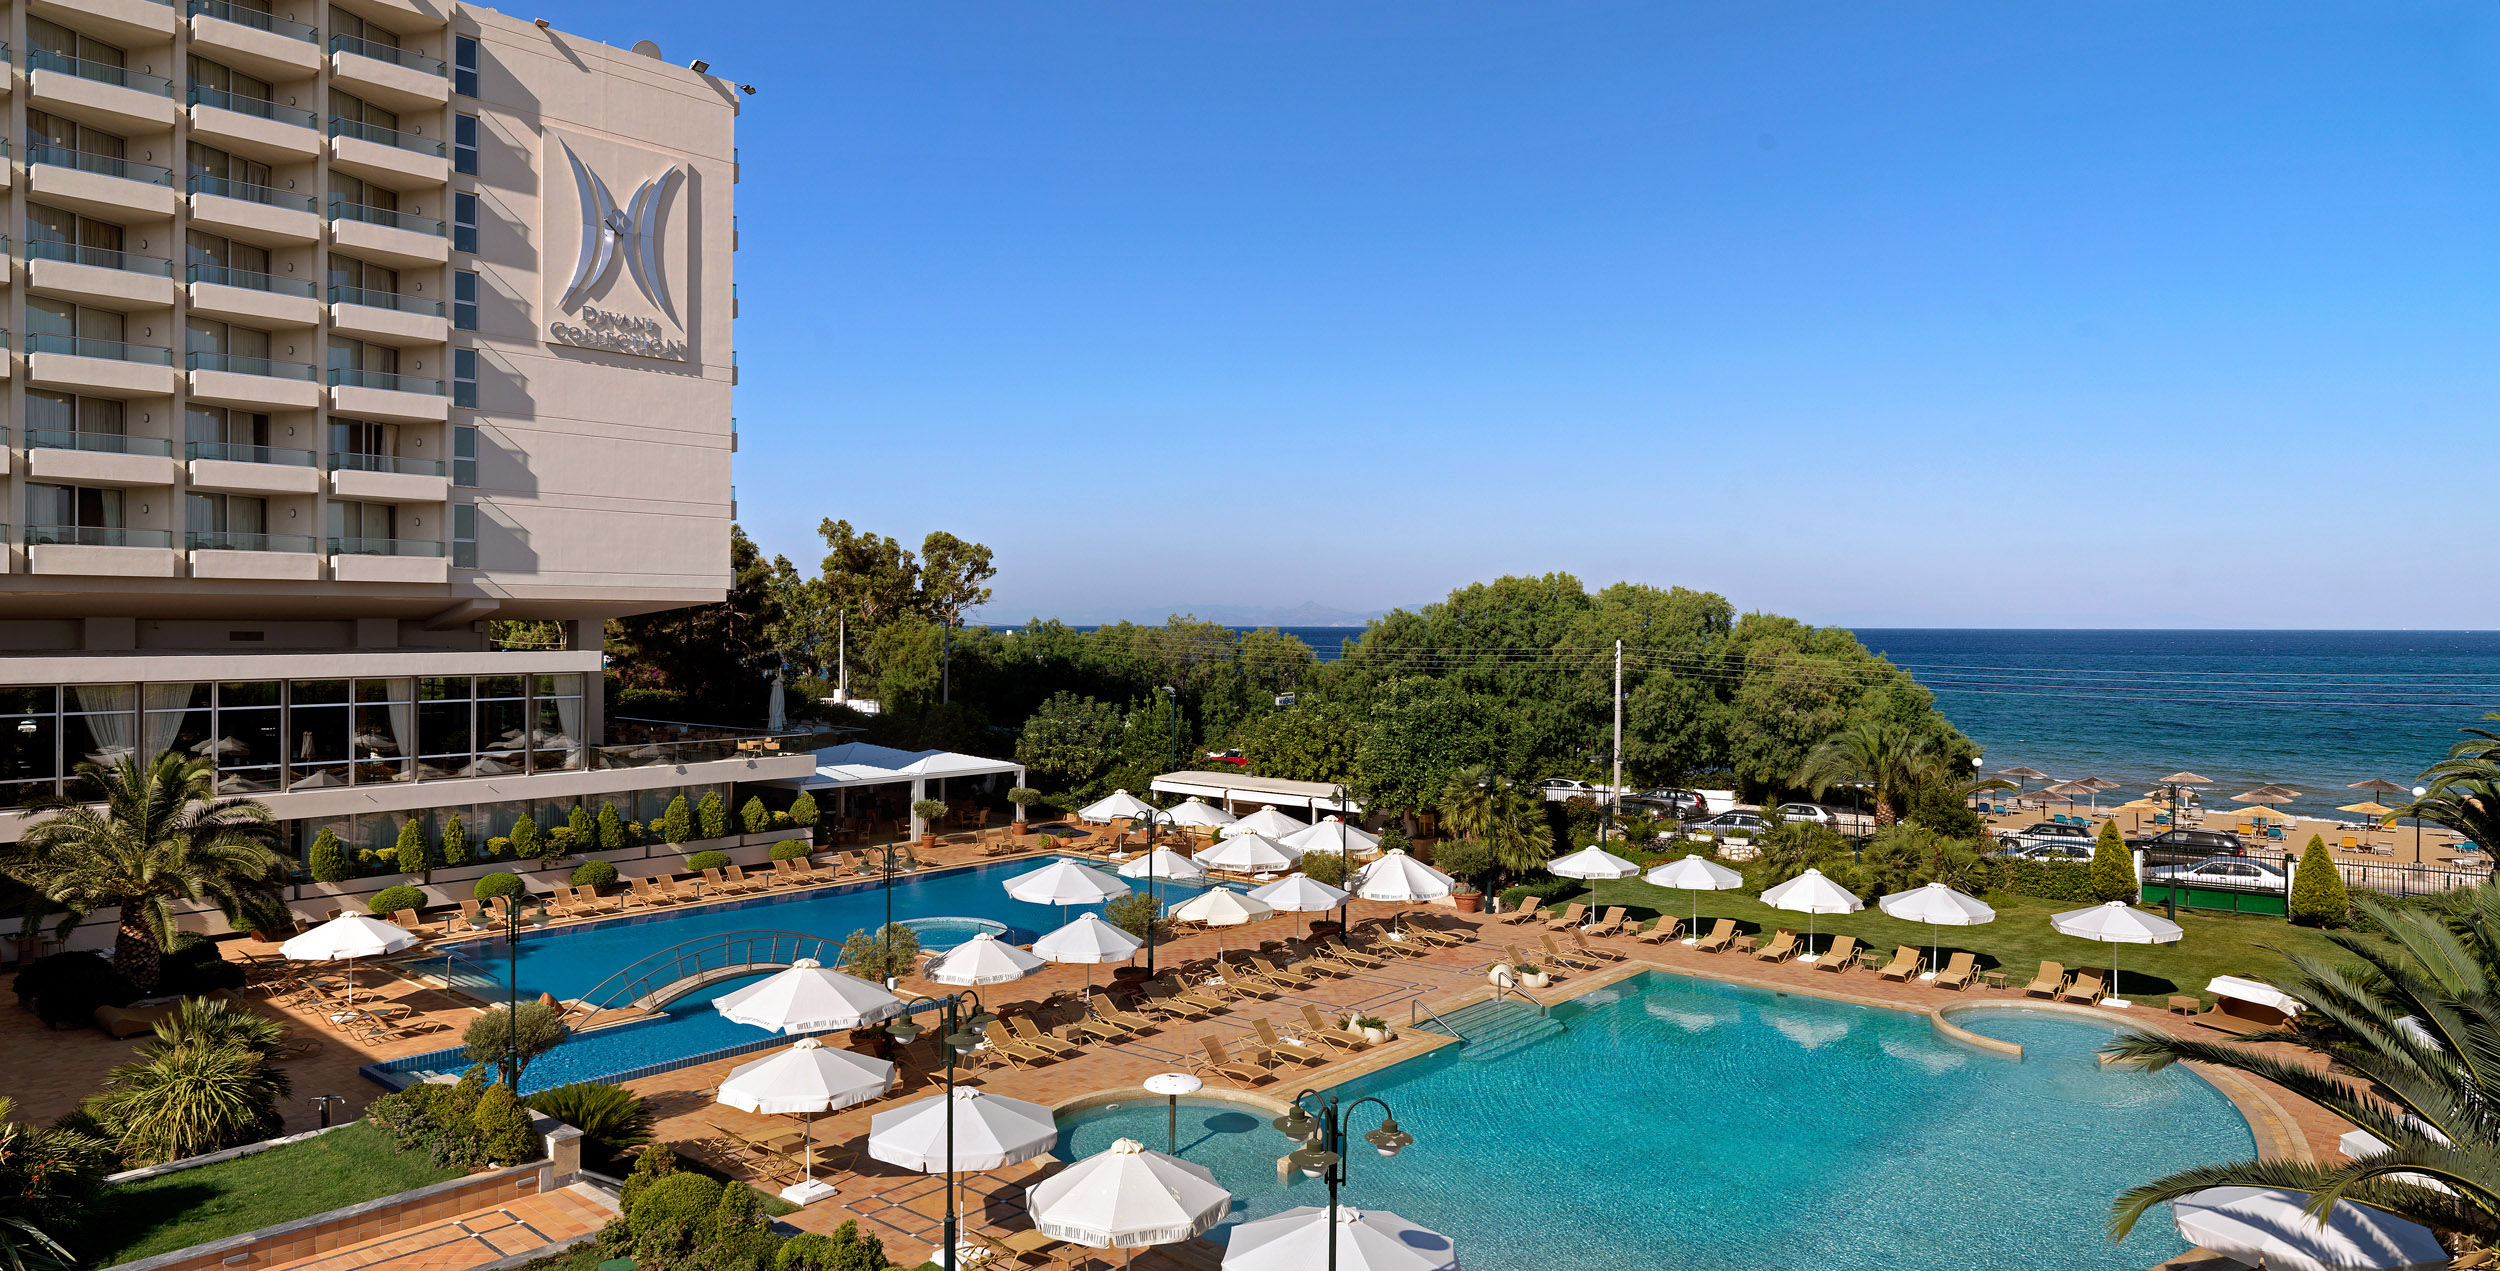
(1685, 1123)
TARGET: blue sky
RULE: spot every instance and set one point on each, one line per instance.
(1954, 314)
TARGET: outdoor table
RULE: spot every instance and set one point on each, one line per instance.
(1995, 979)
(1747, 944)
(2187, 1005)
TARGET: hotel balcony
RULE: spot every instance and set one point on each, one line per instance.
(97, 183)
(381, 395)
(388, 317)
(99, 458)
(249, 296)
(97, 276)
(250, 126)
(255, 382)
(387, 478)
(122, 22)
(394, 158)
(102, 552)
(278, 557)
(392, 77)
(5, 453)
(108, 368)
(109, 97)
(254, 213)
(386, 237)
(387, 560)
(241, 469)
(248, 40)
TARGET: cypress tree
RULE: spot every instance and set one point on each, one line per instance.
(677, 824)
(713, 815)
(754, 816)
(804, 815)
(2113, 869)
(329, 859)
(2318, 895)
(415, 854)
(611, 828)
(455, 841)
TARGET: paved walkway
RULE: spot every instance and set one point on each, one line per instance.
(475, 1239)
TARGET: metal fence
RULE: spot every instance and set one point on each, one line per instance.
(2391, 880)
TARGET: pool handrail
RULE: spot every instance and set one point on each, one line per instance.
(668, 974)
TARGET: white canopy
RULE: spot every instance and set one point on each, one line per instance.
(991, 1132)
(808, 998)
(349, 936)
(2115, 923)
(1810, 893)
(1064, 882)
(1164, 865)
(1222, 907)
(1121, 804)
(1201, 813)
(984, 959)
(809, 1077)
(1695, 875)
(1249, 852)
(2262, 994)
(1592, 862)
(1127, 1197)
(1299, 894)
(1938, 906)
(1228, 787)
(2270, 1226)
(1366, 1239)
(1332, 834)
(1270, 822)
(1088, 940)
(1401, 879)
(858, 763)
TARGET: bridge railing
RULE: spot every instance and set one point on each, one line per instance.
(704, 956)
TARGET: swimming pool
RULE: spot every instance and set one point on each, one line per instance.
(1685, 1123)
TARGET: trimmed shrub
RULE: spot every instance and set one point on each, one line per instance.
(2318, 895)
(594, 874)
(498, 848)
(930, 812)
(329, 858)
(391, 900)
(1467, 860)
(65, 988)
(611, 828)
(651, 1164)
(844, 1250)
(1135, 913)
(677, 824)
(677, 1197)
(503, 1127)
(712, 815)
(754, 815)
(436, 1121)
(789, 850)
(527, 842)
(702, 861)
(416, 855)
(1325, 867)
(497, 885)
(2048, 880)
(585, 829)
(803, 813)
(455, 841)
(2113, 867)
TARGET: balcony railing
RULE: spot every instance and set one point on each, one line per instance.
(386, 53)
(386, 300)
(110, 350)
(249, 280)
(343, 378)
(247, 192)
(256, 107)
(241, 16)
(380, 136)
(224, 541)
(47, 60)
(97, 536)
(100, 257)
(384, 547)
(103, 443)
(239, 364)
(238, 452)
(668, 753)
(44, 152)
(341, 210)
(355, 461)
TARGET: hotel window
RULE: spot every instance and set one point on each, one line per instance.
(65, 134)
(52, 37)
(57, 235)
(464, 65)
(251, 728)
(215, 259)
(219, 346)
(444, 744)
(29, 730)
(228, 522)
(464, 300)
(99, 725)
(556, 740)
(226, 171)
(347, 189)
(47, 316)
(464, 144)
(464, 535)
(503, 722)
(353, 276)
(463, 455)
(464, 377)
(222, 85)
(174, 719)
(362, 529)
(74, 514)
(385, 739)
(59, 419)
(318, 751)
(359, 446)
(355, 28)
(464, 222)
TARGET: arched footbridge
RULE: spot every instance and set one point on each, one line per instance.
(657, 979)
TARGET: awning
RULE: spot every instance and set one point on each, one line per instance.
(2266, 995)
(1235, 787)
(858, 763)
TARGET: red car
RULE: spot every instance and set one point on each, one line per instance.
(1229, 758)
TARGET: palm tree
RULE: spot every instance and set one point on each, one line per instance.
(208, 1022)
(1888, 759)
(180, 1099)
(160, 836)
(1507, 819)
(2411, 1036)
(2463, 789)
(45, 1175)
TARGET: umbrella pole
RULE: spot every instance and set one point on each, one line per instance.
(807, 1148)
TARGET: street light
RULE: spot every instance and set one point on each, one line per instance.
(962, 1034)
(1155, 818)
(1322, 1154)
(512, 995)
(2418, 792)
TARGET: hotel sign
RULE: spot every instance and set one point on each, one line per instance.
(619, 247)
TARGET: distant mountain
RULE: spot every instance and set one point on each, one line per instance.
(1309, 613)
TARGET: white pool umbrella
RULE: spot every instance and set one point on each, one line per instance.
(984, 959)
(808, 997)
(347, 938)
(1695, 875)
(1222, 907)
(1299, 894)
(1591, 863)
(2271, 1227)
(1270, 822)
(1810, 893)
(1401, 879)
(1127, 1197)
(1366, 1239)
(1088, 941)
(2115, 923)
(1064, 883)
(1120, 804)
(1248, 852)
(1938, 906)
(991, 1132)
(1201, 813)
(1164, 865)
(1332, 834)
(807, 1079)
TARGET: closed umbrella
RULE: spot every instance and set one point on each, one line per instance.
(1695, 875)
(2115, 923)
(1591, 863)
(1127, 1197)
(806, 1079)
(1087, 942)
(808, 997)
(1249, 852)
(345, 939)
(984, 959)
(1199, 812)
(1121, 805)
(1064, 883)
(1938, 906)
(1270, 822)
(2272, 1227)
(1164, 865)
(1366, 1240)
(1810, 893)
(1299, 894)
(1332, 834)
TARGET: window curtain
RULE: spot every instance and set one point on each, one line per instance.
(111, 724)
(403, 722)
(166, 704)
(569, 716)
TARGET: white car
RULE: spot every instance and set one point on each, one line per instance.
(2055, 850)
(2223, 873)
(1815, 813)
(1556, 789)
(1745, 823)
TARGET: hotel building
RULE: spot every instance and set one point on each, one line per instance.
(340, 332)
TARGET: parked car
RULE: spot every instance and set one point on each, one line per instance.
(1683, 804)
(2055, 850)
(1813, 812)
(1557, 788)
(1745, 823)
(2039, 832)
(2176, 847)
(2223, 873)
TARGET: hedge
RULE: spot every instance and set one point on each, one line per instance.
(391, 900)
(2048, 880)
(498, 884)
(702, 861)
(594, 874)
(789, 850)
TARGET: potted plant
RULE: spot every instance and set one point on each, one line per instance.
(1531, 976)
(1024, 797)
(1373, 1028)
(1464, 860)
(930, 812)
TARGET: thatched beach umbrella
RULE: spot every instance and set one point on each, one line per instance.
(2069, 791)
(2022, 775)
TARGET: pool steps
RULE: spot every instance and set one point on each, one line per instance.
(1497, 1027)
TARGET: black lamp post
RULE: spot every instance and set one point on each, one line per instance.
(512, 986)
(961, 1035)
(1154, 819)
(1322, 1154)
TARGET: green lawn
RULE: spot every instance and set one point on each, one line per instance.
(175, 1211)
(2020, 938)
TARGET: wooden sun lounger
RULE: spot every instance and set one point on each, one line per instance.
(1904, 964)
(1101, 1030)
(1663, 932)
(2086, 988)
(1342, 1039)
(1161, 1003)
(1836, 959)
(1351, 956)
(1031, 1034)
(1224, 1065)
(1611, 924)
(1524, 913)
(1782, 947)
(1722, 937)
(1580, 943)
(1958, 972)
(1303, 1055)
(2050, 982)
(1125, 1018)
(752, 882)
(1572, 917)
(646, 892)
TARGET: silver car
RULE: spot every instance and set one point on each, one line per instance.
(2224, 873)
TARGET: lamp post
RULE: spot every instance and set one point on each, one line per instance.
(960, 1036)
(2170, 894)
(1322, 1154)
(512, 987)
(2418, 792)
(1155, 818)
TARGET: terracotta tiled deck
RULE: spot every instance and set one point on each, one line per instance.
(474, 1239)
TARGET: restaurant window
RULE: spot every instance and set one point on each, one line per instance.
(386, 730)
(445, 737)
(29, 736)
(250, 732)
(502, 725)
(99, 725)
(556, 739)
(318, 732)
(175, 719)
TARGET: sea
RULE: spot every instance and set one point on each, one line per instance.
(2312, 710)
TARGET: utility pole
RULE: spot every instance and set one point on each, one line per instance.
(842, 653)
(1614, 796)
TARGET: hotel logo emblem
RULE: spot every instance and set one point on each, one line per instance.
(595, 308)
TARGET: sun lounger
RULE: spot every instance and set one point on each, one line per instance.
(1523, 913)
(1722, 937)
(1101, 1030)
(1201, 996)
(1031, 1034)
(1275, 974)
(2049, 983)
(1246, 1073)
(1959, 970)
(1611, 924)
(1433, 936)
(1352, 956)
(1904, 964)
(2086, 988)
(646, 892)
(1782, 947)
(1580, 943)
(1122, 1016)
(1663, 932)
(1015, 1052)
(1572, 917)
(1303, 1055)
(1556, 956)
(1836, 959)
(1329, 1033)
(751, 882)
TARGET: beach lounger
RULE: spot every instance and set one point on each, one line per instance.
(752, 882)
(1572, 917)
(1203, 996)
(1722, 937)
(1159, 1003)
(2086, 988)
(1836, 959)
(1019, 1054)
(1266, 972)
(1249, 1072)
(1904, 964)
(1611, 924)
(1348, 958)
(1278, 1046)
(1556, 955)
(1031, 1034)
(2049, 983)
(721, 883)
(1099, 1029)
(1580, 944)
(1959, 970)
(1782, 947)
(1115, 1013)
(1320, 1028)
(647, 892)
(1433, 936)
(1524, 912)
(1663, 932)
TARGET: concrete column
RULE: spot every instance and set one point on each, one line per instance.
(918, 787)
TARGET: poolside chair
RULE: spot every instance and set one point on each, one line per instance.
(1959, 970)
(1904, 964)
(1836, 959)
(1031, 1034)
(1283, 1049)
(1248, 1073)
(1572, 917)
(751, 882)
(407, 918)
(1782, 947)
(2086, 988)
(1275, 974)
(470, 914)
(803, 871)
(1124, 1017)
(1101, 1030)
(1722, 937)
(1663, 932)
(1330, 1034)
(1200, 996)
(1523, 913)
(1437, 937)
(1351, 959)
(1556, 954)
(1017, 1053)
(1610, 925)
(1161, 1003)
(1580, 943)
(2049, 983)
(647, 893)
(683, 889)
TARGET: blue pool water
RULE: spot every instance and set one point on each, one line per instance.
(1683, 1123)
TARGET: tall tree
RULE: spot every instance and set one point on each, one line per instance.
(713, 657)
(2462, 792)
(1509, 819)
(954, 578)
(1886, 758)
